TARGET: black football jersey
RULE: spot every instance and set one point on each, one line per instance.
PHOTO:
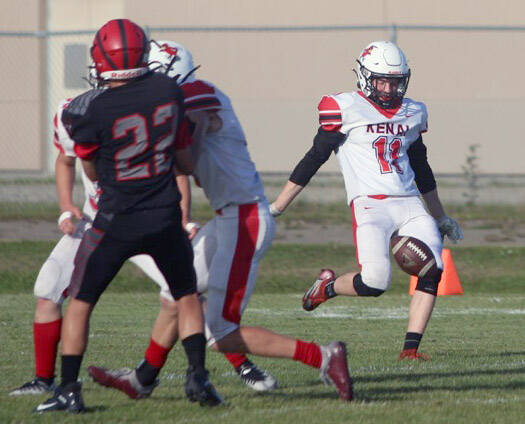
(131, 133)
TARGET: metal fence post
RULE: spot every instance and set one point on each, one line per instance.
(393, 33)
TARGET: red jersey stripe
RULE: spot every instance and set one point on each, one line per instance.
(86, 150)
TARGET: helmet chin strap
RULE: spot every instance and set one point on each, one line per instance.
(389, 104)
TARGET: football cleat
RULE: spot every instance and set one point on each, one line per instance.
(334, 370)
(123, 379)
(199, 389)
(255, 378)
(67, 398)
(316, 294)
(34, 387)
(414, 355)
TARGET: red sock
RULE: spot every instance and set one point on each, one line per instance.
(308, 353)
(45, 338)
(156, 354)
(236, 359)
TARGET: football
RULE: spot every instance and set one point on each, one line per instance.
(413, 256)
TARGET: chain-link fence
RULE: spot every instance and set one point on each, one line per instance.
(275, 77)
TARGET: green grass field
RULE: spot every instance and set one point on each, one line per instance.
(477, 344)
(486, 216)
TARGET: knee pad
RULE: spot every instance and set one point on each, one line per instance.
(363, 290)
(429, 283)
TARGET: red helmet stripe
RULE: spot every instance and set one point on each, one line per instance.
(101, 47)
(124, 42)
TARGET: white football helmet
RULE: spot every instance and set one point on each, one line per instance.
(382, 59)
(172, 59)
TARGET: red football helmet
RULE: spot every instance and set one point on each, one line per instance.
(120, 50)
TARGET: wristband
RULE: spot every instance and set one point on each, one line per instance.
(190, 226)
(63, 216)
(274, 211)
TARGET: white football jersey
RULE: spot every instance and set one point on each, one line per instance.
(373, 157)
(224, 169)
(66, 146)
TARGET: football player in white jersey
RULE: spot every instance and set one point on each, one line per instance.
(229, 247)
(54, 277)
(376, 134)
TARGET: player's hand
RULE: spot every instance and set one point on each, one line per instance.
(275, 211)
(192, 228)
(65, 221)
(448, 227)
(413, 354)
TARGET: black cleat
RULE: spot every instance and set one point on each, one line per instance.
(255, 378)
(67, 398)
(199, 389)
(37, 386)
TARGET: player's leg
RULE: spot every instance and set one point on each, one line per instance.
(423, 227)
(372, 227)
(243, 240)
(173, 254)
(165, 330)
(97, 261)
(50, 287)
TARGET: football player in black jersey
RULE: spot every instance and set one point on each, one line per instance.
(129, 137)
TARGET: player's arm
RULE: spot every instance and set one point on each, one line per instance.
(183, 183)
(183, 156)
(65, 180)
(325, 142)
(426, 184)
(327, 139)
(89, 168)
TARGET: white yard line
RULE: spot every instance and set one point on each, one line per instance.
(360, 313)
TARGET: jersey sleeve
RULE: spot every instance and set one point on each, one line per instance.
(183, 138)
(61, 138)
(81, 126)
(330, 115)
(199, 96)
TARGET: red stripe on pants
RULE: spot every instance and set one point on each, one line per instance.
(354, 232)
(242, 261)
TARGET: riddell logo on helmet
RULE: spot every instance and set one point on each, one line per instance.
(172, 51)
(124, 74)
(367, 51)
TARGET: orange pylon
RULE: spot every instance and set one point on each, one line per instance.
(449, 283)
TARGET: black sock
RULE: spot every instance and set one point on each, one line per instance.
(329, 290)
(147, 373)
(70, 368)
(412, 340)
(195, 347)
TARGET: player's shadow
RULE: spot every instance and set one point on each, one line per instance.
(419, 376)
(378, 393)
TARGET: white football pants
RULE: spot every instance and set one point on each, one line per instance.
(227, 254)
(375, 220)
